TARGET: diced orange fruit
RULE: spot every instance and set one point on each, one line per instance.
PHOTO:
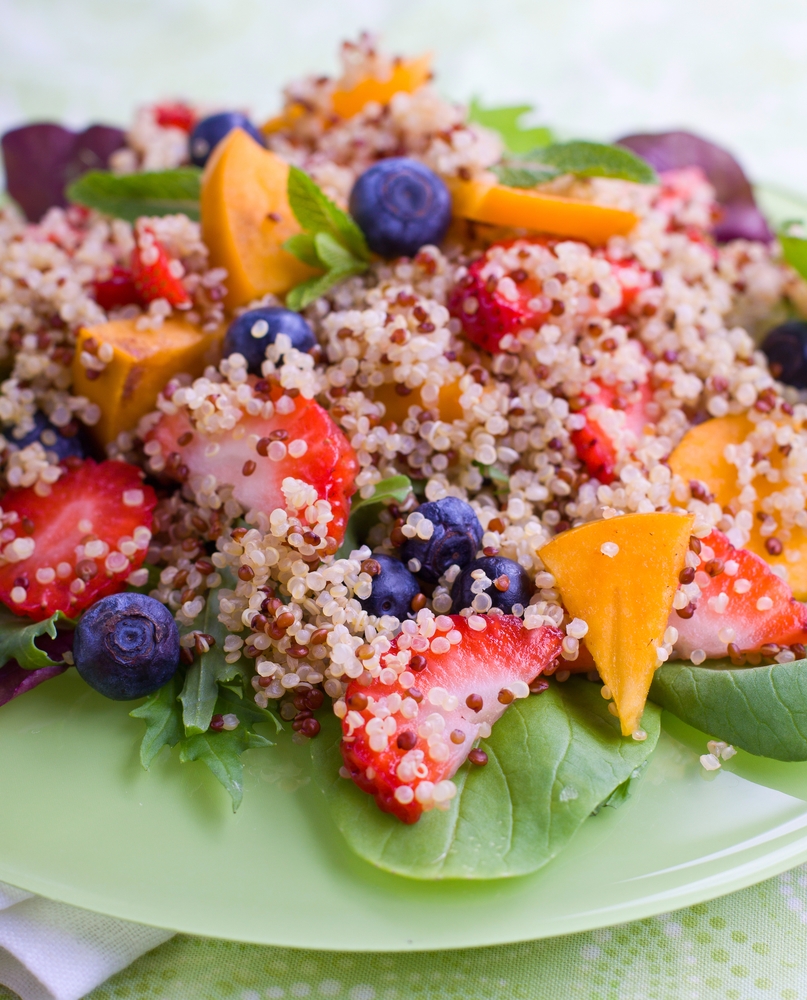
(142, 362)
(524, 208)
(407, 75)
(625, 597)
(246, 218)
(396, 407)
(700, 455)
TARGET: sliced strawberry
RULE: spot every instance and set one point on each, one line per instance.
(155, 274)
(606, 434)
(632, 279)
(404, 740)
(176, 115)
(117, 290)
(486, 314)
(88, 535)
(742, 604)
(247, 457)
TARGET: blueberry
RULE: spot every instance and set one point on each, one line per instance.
(393, 589)
(126, 646)
(209, 132)
(455, 538)
(252, 332)
(400, 206)
(503, 573)
(786, 348)
(50, 437)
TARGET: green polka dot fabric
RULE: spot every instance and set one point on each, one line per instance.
(747, 946)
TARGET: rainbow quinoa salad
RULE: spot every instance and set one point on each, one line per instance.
(453, 448)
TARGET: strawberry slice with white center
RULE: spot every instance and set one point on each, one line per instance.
(615, 421)
(743, 606)
(258, 454)
(79, 543)
(404, 739)
(155, 274)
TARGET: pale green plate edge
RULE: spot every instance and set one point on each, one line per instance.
(767, 800)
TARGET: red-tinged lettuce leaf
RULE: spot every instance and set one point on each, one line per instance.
(42, 159)
(15, 681)
(675, 150)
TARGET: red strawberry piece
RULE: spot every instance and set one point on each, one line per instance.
(259, 454)
(175, 115)
(78, 543)
(117, 290)
(742, 602)
(155, 274)
(632, 279)
(605, 435)
(403, 740)
(486, 313)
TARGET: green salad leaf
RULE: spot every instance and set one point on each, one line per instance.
(18, 637)
(585, 159)
(552, 760)
(163, 717)
(128, 196)
(760, 709)
(201, 688)
(507, 122)
(331, 242)
(364, 512)
(793, 240)
(221, 752)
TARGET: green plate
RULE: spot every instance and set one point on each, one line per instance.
(81, 822)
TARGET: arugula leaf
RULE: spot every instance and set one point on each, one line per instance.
(163, 718)
(794, 246)
(760, 709)
(332, 241)
(552, 759)
(18, 639)
(230, 700)
(201, 688)
(128, 196)
(506, 121)
(364, 512)
(221, 752)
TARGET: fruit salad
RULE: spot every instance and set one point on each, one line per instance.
(414, 434)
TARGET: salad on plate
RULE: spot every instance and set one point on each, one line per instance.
(411, 432)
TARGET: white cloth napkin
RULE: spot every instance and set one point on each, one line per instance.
(52, 951)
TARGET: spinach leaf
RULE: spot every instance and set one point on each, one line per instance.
(18, 639)
(128, 196)
(552, 759)
(760, 709)
(506, 121)
(793, 239)
(201, 688)
(221, 752)
(364, 512)
(163, 718)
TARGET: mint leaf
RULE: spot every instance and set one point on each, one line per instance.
(304, 248)
(18, 637)
(793, 240)
(129, 196)
(221, 752)
(760, 709)
(594, 159)
(506, 121)
(364, 512)
(316, 213)
(309, 291)
(552, 759)
(201, 688)
(333, 255)
(163, 718)
(526, 176)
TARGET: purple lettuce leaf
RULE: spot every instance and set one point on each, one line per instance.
(741, 218)
(42, 159)
(15, 681)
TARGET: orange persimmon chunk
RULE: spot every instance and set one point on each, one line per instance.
(407, 75)
(246, 217)
(524, 208)
(700, 455)
(620, 576)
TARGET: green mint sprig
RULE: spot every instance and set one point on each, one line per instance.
(331, 240)
(129, 196)
(506, 121)
(584, 159)
(793, 240)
